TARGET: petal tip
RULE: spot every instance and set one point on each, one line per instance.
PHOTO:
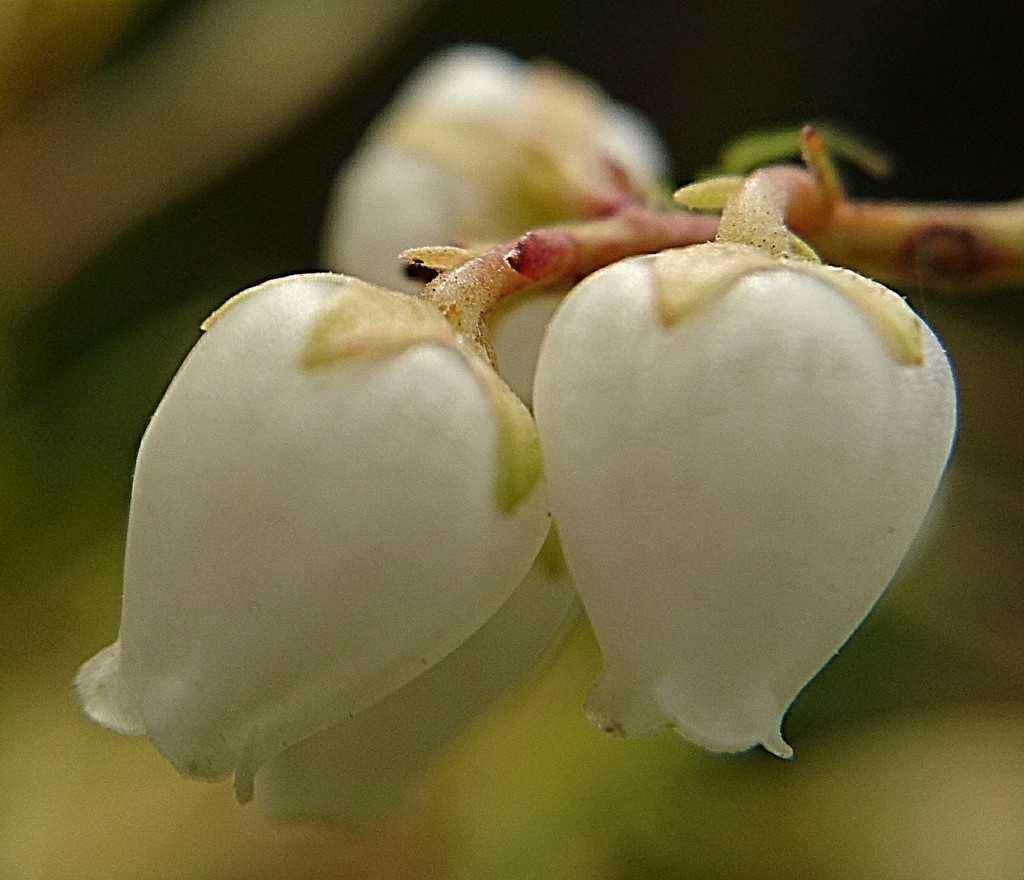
(775, 744)
(726, 723)
(622, 710)
(99, 687)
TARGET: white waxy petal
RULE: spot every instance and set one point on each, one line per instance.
(517, 327)
(359, 769)
(734, 488)
(307, 536)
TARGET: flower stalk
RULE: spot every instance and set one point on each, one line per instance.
(952, 248)
(467, 286)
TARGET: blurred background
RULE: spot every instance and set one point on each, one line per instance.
(157, 156)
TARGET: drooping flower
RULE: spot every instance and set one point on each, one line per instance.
(361, 768)
(740, 447)
(333, 496)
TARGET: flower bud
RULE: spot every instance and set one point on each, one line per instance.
(479, 146)
(332, 497)
(737, 467)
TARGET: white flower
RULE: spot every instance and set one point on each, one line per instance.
(479, 146)
(739, 450)
(332, 497)
(361, 768)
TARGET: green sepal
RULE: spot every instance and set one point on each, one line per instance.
(688, 278)
(551, 557)
(900, 330)
(517, 466)
(365, 320)
(710, 194)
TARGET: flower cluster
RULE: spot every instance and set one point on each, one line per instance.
(340, 547)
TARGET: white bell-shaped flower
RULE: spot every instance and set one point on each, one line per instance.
(362, 767)
(333, 496)
(478, 147)
(739, 449)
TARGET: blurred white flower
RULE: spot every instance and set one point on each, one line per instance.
(739, 450)
(361, 768)
(480, 146)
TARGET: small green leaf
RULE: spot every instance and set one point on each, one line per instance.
(768, 146)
